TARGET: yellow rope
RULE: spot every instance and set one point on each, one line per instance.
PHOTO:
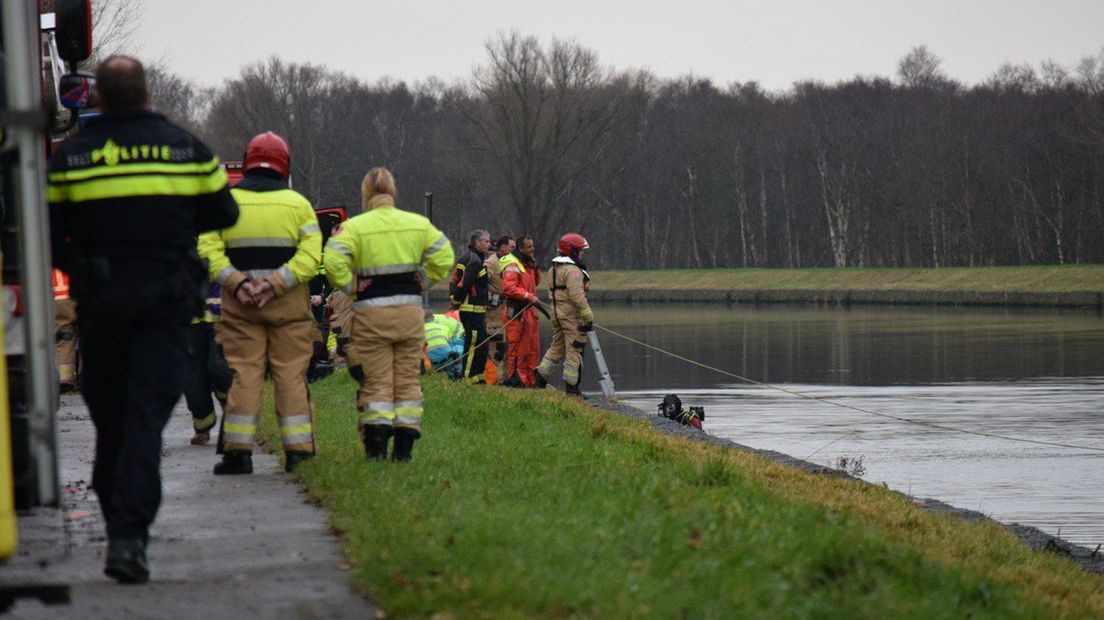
(844, 405)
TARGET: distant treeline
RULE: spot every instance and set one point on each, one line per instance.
(915, 171)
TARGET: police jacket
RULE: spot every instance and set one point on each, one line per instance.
(376, 256)
(276, 239)
(127, 197)
(567, 282)
(469, 289)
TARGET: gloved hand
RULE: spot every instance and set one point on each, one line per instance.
(587, 327)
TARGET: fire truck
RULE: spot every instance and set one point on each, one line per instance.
(41, 95)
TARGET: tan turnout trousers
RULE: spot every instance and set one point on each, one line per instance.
(65, 329)
(387, 344)
(568, 345)
(278, 337)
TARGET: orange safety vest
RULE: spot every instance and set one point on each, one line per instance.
(61, 285)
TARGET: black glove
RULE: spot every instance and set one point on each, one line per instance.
(587, 327)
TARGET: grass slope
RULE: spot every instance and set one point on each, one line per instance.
(524, 503)
(1042, 279)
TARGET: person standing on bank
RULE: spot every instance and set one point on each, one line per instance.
(520, 278)
(469, 293)
(496, 347)
(127, 197)
(376, 258)
(264, 263)
(572, 318)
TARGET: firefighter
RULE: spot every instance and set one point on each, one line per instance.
(264, 263)
(376, 257)
(469, 293)
(127, 197)
(568, 283)
(520, 277)
(208, 372)
(65, 331)
(496, 347)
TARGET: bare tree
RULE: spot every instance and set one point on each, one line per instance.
(920, 68)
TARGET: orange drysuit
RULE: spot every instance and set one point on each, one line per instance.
(520, 277)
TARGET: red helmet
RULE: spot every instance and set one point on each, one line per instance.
(268, 150)
(572, 243)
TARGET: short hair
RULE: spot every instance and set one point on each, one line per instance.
(477, 234)
(427, 316)
(377, 181)
(503, 241)
(121, 83)
(523, 238)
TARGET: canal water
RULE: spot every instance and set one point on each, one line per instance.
(1021, 373)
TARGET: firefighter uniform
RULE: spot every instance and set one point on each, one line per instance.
(571, 319)
(496, 347)
(469, 293)
(65, 331)
(127, 197)
(276, 240)
(208, 372)
(520, 278)
(376, 257)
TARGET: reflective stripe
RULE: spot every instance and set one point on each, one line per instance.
(409, 420)
(225, 274)
(260, 242)
(241, 425)
(295, 427)
(513, 268)
(235, 438)
(473, 309)
(257, 274)
(136, 186)
(407, 404)
(385, 270)
(368, 420)
(391, 300)
(437, 245)
(204, 423)
(289, 278)
(571, 375)
(206, 167)
(309, 229)
(337, 247)
(473, 379)
(409, 412)
(379, 406)
(291, 440)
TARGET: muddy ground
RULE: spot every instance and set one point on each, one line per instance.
(222, 546)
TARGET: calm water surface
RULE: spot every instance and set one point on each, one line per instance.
(1022, 373)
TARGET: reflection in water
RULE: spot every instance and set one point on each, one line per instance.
(1033, 374)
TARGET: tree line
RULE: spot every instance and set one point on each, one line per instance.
(918, 170)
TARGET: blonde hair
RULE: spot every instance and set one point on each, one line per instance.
(377, 181)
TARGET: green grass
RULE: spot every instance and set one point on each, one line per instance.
(1043, 279)
(524, 503)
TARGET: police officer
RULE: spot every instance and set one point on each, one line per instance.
(469, 293)
(127, 197)
(264, 263)
(376, 257)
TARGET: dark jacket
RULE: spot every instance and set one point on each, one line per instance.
(470, 287)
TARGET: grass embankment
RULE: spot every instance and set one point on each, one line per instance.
(524, 503)
(1041, 279)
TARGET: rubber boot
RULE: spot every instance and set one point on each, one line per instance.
(404, 444)
(292, 459)
(375, 439)
(573, 390)
(541, 381)
(234, 463)
(126, 560)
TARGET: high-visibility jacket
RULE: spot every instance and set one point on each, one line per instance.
(567, 284)
(276, 239)
(377, 255)
(520, 278)
(127, 196)
(442, 331)
(61, 284)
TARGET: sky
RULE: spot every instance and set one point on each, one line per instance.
(773, 42)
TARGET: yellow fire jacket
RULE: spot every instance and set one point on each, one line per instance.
(376, 256)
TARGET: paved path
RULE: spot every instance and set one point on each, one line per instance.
(222, 546)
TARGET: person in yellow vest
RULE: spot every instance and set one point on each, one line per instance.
(65, 330)
(376, 257)
(263, 263)
(572, 317)
(496, 347)
(444, 343)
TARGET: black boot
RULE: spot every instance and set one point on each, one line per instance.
(126, 560)
(573, 390)
(375, 439)
(513, 381)
(404, 444)
(234, 463)
(292, 459)
(541, 381)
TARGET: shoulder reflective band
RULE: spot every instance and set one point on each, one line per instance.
(113, 185)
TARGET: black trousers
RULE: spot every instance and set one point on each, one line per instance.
(136, 356)
(475, 332)
(208, 373)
